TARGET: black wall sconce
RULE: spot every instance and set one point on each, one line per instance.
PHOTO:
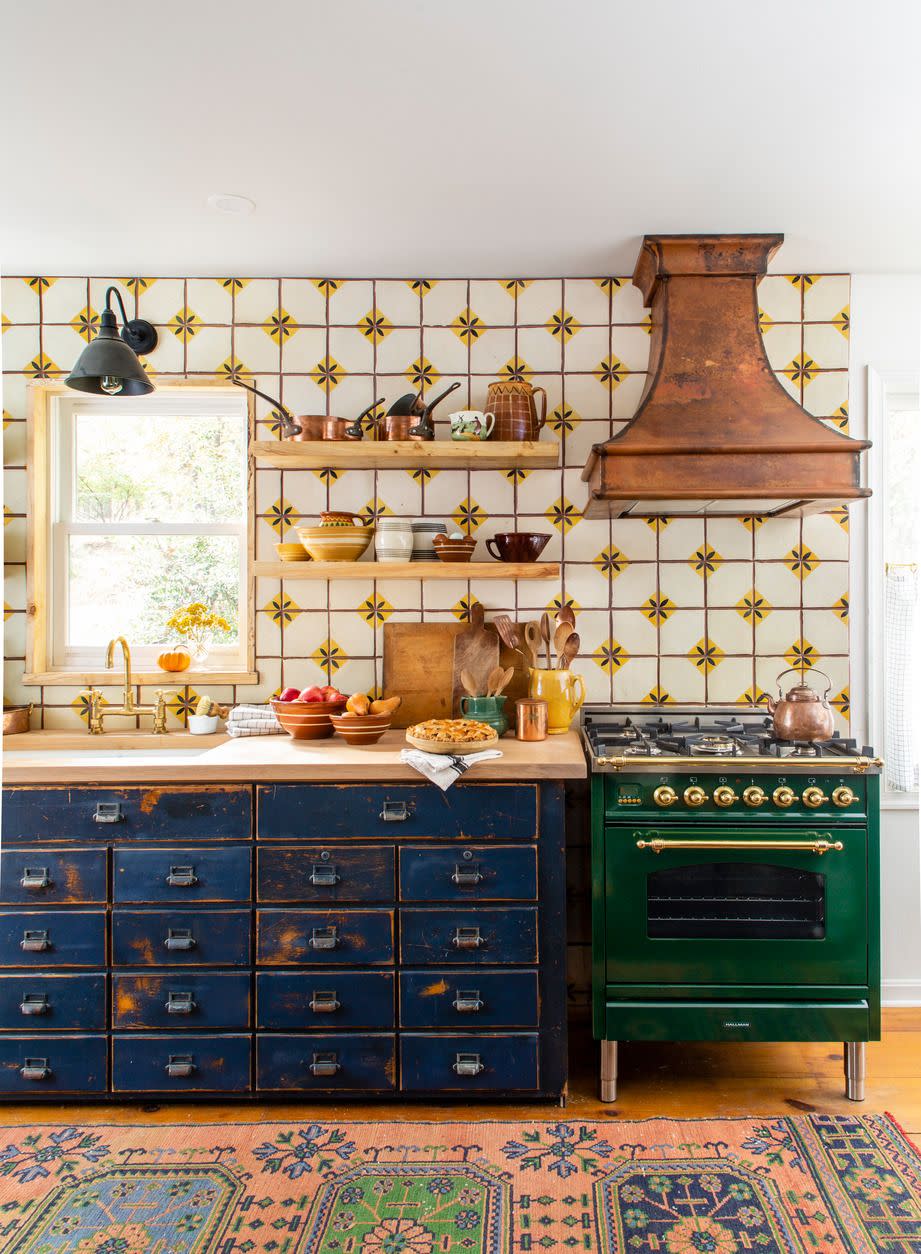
(109, 365)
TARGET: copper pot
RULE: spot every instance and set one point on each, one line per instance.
(513, 401)
(310, 426)
(802, 714)
(396, 426)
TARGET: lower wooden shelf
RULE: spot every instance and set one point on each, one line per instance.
(408, 570)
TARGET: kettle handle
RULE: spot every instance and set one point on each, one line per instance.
(813, 670)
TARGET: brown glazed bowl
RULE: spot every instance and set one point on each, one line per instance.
(361, 729)
(306, 720)
(517, 546)
(449, 550)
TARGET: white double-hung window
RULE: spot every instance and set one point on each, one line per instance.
(145, 511)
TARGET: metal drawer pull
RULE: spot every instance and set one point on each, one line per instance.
(34, 1004)
(108, 812)
(180, 938)
(324, 938)
(467, 1001)
(468, 876)
(323, 875)
(180, 1003)
(396, 811)
(180, 1065)
(35, 1069)
(181, 877)
(36, 941)
(467, 938)
(821, 844)
(324, 1064)
(467, 1064)
(324, 1002)
(35, 877)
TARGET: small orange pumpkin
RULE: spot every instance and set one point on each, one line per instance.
(174, 660)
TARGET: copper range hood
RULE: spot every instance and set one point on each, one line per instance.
(715, 433)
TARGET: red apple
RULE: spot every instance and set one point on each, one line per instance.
(289, 694)
(311, 694)
(333, 695)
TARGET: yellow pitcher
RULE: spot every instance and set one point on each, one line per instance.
(558, 689)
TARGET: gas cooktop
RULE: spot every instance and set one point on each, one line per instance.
(708, 738)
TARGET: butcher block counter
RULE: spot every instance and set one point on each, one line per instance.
(203, 917)
(77, 758)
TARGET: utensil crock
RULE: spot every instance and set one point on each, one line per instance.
(558, 689)
(488, 710)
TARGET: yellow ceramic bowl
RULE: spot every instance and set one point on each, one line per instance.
(292, 552)
(335, 544)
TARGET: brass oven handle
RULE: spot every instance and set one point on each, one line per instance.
(820, 845)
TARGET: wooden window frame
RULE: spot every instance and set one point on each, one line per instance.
(39, 664)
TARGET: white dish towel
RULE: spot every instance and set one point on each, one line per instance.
(444, 768)
(253, 720)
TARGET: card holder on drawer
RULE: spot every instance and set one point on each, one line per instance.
(187, 1063)
(481, 1063)
(360, 1060)
(52, 938)
(35, 1065)
(39, 877)
(324, 937)
(166, 938)
(181, 999)
(203, 874)
(478, 934)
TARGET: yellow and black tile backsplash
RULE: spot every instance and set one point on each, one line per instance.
(669, 611)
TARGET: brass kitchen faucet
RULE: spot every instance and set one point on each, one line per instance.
(98, 712)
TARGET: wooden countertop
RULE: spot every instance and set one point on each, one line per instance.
(71, 758)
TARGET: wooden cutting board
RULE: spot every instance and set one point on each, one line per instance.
(419, 667)
(476, 650)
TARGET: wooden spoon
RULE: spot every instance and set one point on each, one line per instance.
(570, 649)
(503, 681)
(532, 639)
(470, 685)
(545, 636)
(495, 677)
(566, 614)
(560, 636)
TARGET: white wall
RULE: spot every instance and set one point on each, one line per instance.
(885, 335)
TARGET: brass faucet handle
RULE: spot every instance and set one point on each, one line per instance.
(159, 723)
(94, 711)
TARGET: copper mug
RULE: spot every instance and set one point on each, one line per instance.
(531, 718)
(513, 401)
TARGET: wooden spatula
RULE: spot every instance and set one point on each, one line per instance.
(503, 681)
(470, 685)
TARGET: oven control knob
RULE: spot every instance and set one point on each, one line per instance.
(844, 797)
(694, 796)
(754, 796)
(665, 796)
(784, 797)
(724, 796)
(813, 798)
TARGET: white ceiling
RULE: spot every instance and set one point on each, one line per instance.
(484, 137)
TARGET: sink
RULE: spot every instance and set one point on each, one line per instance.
(102, 756)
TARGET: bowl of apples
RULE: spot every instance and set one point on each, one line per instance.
(304, 713)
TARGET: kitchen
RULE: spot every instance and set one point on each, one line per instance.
(631, 527)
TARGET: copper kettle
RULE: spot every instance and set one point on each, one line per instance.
(802, 714)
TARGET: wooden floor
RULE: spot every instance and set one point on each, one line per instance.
(681, 1081)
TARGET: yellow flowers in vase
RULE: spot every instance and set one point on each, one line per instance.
(196, 624)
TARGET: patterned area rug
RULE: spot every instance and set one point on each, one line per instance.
(822, 1184)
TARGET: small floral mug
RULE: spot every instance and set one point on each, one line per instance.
(472, 424)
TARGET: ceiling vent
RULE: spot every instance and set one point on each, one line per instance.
(715, 432)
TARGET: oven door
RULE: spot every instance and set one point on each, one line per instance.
(693, 905)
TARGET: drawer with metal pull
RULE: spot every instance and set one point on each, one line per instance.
(468, 873)
(184, 1063)
(172, 812)
(326, 811)
(324, 937)
(325, 873)
(360, 1060)
(468, 1000)
(479, 934)
(53, 938)
(476, 1063)
(181, 999)
(325, 999)
(179, 875)
(52, 1003)
(166, 938)
(52, 876)
(35, 1065)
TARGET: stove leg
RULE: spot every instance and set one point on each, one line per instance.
(609, 1071)
(855, 1069)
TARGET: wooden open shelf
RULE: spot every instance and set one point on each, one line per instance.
(408, 570)
(407, 454)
